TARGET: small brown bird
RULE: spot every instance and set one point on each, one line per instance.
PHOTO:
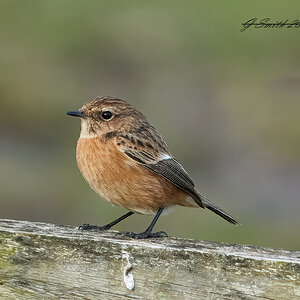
(125, 160)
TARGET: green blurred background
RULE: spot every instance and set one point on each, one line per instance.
(226, 102)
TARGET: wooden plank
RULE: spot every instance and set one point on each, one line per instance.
(46, 261)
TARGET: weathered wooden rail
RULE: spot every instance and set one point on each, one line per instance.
(46, 261)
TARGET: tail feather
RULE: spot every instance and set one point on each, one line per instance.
(217, 210)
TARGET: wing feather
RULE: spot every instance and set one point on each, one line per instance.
(169, 168)
(148, 149)
(174, 172)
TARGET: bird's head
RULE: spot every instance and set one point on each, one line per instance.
(107, 114)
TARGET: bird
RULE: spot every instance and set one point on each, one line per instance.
(126, 161)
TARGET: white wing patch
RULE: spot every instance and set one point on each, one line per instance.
(165, 156)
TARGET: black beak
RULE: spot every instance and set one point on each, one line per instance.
(76, 113)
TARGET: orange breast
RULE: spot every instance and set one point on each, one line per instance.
(122, 181)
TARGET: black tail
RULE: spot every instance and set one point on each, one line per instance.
(217, 210)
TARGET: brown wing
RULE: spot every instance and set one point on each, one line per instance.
(174, 172)
(168, 168)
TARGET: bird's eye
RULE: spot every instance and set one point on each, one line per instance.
(106, 115)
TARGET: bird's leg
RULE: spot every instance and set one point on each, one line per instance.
(105, 227)
(148, 232)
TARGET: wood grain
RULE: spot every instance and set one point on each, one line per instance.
(46, 261)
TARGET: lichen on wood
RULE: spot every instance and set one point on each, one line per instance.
(46, 261)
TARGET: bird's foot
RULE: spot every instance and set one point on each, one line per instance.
(144, 235)
(89, 227)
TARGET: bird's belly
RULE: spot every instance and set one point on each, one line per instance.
(123, 181)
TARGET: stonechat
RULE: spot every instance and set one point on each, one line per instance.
(125, 160)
